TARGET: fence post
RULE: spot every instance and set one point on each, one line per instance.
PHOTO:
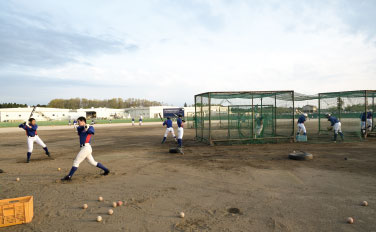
(365, 108)
(209, 101)
(253, 119)
(319, 116)
(293, 115)
(195, 118)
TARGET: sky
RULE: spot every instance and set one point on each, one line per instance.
(170, 50)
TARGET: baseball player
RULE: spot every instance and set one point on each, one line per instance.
(180, 123)
(301, 127)
(140, 121)
(366, 118)
(69, 123)
(132, 121)
(32, 136)
(335, 124)
(75, 124)
(85, 132)
(259, 124)
(169, 129)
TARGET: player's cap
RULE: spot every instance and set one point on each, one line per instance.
(168, 118)
(180, 115)
(328, 115)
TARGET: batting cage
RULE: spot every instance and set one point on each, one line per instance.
(354, 109)
(244, 117)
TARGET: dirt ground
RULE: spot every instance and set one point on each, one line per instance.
(271, 192)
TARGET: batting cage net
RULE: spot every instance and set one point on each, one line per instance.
(244, 117)
(353, 108)
(271, 116)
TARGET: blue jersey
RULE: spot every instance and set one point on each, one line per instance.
(132, 119)
(85, 135)
(32, 132)
(363, 116)
(167, 123)
(301, 119)
(333, 120)
(179, 122)
(140, 120)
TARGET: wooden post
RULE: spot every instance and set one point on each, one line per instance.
(228, 122)
(293, 115)
(275, 114)
(319, 116)
(253, 119)
(195, 117)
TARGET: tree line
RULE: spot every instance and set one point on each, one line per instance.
(116, 103)
(11, 105)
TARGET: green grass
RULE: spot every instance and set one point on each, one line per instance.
(65, 122)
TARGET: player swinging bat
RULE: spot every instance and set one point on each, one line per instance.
(32, 136)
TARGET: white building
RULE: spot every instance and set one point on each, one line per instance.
(49, 114)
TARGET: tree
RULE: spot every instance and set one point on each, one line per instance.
(185, 104)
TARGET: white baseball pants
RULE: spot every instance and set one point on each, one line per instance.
(180, 132)
(85, 153)
(259, 129)
(30, 143)
(337, 128)
(301, 128)
(169, 130)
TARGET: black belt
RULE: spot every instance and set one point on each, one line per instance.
(31, 136)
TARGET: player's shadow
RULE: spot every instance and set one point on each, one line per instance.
(38, 159)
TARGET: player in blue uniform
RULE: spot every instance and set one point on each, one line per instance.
(85, 132)
(366, 118)
(301, 127)
(336, 126)
(180, 123)
(132, 121)
(140, 121)
(32, 136)
(169, 129)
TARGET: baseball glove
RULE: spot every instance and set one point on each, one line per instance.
(330, 128)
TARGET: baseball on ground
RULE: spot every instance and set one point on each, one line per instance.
(114, 204)
(181, 214)
(100, 198)
(110, 211)
(18, 179)
(58, 169)
(84, 206)
(350, 220)
(99, 219)
(364, 203)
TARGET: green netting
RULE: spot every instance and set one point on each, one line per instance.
(244, 117)
(271, 116)
(347, 107)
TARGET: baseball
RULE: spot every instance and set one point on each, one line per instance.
(99, 219)
(84, 206)
(100, 198)
(110, 212)
(119, 203)
(58, 169)
(18, 179)
(181, 214)
(114, 204)
(350, 220)
(364, 203)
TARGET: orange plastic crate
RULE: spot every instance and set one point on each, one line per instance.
(16, 211)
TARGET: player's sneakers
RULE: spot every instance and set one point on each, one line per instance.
(27, 160)
(106, 173)
(48, 154)
(67, 178)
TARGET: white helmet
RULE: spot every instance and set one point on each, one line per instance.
(305, 115)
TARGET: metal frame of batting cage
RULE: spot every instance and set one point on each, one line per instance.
(363, 95)
(200, 115)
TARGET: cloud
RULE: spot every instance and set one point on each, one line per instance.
(28, 40)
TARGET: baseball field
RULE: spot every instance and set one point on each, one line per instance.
(220, 188)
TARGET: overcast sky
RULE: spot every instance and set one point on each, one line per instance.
(169, 50)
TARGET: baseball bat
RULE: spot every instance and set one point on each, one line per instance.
(160, 116)
(31, 114)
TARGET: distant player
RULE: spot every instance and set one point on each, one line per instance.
(169, 129)
(180, 123)
(259, 124)
(366, 118)
(132, 121)
(69, 123)
(32, 136)
(140, 121)
(335, 124)
(301, 127)
(92, 122)
(85, 132)
(75, 124)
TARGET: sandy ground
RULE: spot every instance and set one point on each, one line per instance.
(272, 192)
